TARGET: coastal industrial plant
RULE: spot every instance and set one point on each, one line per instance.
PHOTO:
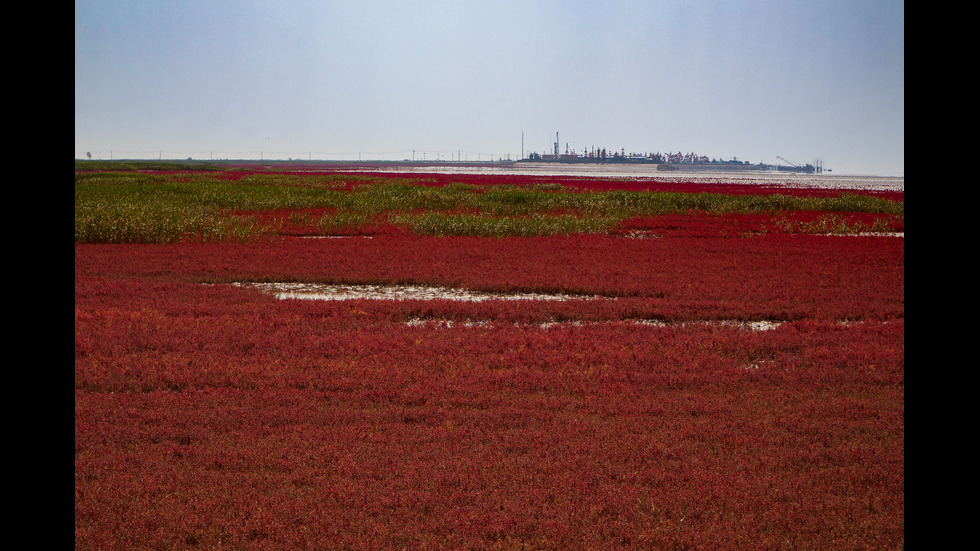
(665, 161)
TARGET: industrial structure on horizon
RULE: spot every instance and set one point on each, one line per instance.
(665, 161)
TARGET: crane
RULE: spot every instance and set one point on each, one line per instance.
(788, 161)
(806, 169)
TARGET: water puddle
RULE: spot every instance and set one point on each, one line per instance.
(323, 291)
(335, 237)
(764, 325)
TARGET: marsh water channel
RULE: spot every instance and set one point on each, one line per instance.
(325, 291)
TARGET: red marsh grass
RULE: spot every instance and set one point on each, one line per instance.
(211, 415)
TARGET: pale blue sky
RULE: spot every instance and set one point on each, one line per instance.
(752, 79)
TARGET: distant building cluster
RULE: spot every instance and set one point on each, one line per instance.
(687, 158)
(602, 154)
(595, 154)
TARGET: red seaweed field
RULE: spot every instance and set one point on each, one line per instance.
(701, 380)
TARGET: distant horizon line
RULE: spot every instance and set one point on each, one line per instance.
(435, 162)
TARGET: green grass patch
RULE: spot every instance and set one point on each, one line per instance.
(484, 225)
(835, 224)
(147, 207)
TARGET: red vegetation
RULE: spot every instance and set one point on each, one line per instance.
(774, 277)
(574, 182)
(214, 416)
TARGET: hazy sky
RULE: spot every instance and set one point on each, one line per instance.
(752, 79)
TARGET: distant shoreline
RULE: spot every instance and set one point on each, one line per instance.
(637, 171)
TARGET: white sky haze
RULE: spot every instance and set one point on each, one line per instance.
(752, 79)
